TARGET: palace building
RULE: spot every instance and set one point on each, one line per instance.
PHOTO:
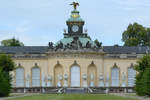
(74, 62)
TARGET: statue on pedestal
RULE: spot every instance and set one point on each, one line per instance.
(101, 81)
(13, 81)
(65, 80)
(59, 77)
(123, 80)
(28, 80)
(84, 77)
(49, 81)
(91, 80)
(50, 44)
(43, 80)
(107, 81)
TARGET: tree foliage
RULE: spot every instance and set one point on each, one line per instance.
(5, 86)
(142, 86)
(6, 65)
(12, 42)
(136, 35)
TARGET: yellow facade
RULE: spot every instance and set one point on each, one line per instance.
(98, 63)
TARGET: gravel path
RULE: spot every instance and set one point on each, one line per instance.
(19, 95)
(131, 95)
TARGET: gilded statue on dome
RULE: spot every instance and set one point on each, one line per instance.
(75, 4)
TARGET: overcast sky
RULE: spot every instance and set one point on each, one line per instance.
(36, 22)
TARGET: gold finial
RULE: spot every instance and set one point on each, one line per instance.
(75, 4)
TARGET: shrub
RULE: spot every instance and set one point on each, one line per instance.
(6, 65)
(142, 86)
(5, 86)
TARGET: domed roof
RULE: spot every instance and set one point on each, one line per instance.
(75, 17)
(75, 40)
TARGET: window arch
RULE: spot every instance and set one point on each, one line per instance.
(92, 75)
(19, 77)
(131, 76)
(58, 75)
(36, 77)
(75, 76)
(115, 76)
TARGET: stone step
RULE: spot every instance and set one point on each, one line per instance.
(75, 90)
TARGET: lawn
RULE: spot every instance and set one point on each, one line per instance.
(72, 97)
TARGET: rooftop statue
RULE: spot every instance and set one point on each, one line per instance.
(75, 4)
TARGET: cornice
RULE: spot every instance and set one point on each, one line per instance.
(75, 54)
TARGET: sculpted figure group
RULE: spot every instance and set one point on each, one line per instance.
(74, 45)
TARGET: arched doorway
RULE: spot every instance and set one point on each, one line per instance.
(75, 76)
(92, 75)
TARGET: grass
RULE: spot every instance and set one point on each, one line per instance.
(72, 97)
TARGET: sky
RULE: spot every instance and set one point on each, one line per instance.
(37, 22)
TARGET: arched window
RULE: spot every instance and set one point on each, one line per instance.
(20, 77)
(35, 77)
(131, 76)
(75, 76)
(115, 76)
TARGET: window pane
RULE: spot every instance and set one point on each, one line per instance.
(36, 77)
(19, 77)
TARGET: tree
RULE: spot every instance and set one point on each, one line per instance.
(6, 65)
(136, 35)
(142, 86)
(98, 44)
(148, 36)
(5, 86)
(12, 42)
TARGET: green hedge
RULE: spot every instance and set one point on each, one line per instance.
(143, 78)
(5, 86)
